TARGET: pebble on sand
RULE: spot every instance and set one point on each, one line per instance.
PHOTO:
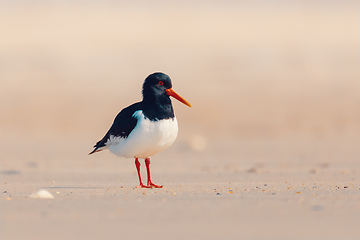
(198, 143)
(42, 194)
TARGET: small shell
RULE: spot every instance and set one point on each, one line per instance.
(42, 194)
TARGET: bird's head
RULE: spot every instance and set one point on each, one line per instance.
(158, 86)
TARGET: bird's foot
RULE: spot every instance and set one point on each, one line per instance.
(153, 185)
(143, 186)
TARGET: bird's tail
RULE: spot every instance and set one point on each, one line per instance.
(95, 150)
(97, 147)
(100, 145)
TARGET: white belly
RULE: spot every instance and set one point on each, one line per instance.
(146, 139)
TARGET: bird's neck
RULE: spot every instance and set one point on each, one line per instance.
(158, 109)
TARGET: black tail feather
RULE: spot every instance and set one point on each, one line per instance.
(94, 151)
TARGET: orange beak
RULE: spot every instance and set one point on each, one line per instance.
(173, 94)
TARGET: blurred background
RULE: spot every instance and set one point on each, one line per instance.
(272, 83)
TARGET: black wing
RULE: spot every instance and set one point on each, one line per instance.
(122, 126)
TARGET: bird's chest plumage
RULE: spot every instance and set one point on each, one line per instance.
(147, 138)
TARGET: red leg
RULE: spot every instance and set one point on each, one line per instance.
(137, 164)
(149, 182)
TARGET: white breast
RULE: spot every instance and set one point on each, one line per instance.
(146, 139)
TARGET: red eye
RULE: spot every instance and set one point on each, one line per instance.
(161, 83)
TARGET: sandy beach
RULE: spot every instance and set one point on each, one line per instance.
(269, 150)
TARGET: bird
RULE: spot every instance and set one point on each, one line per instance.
(144, 128)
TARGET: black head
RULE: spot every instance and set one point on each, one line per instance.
(157, 90)
(155, 85)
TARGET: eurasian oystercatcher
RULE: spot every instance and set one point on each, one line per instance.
(144, 128)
